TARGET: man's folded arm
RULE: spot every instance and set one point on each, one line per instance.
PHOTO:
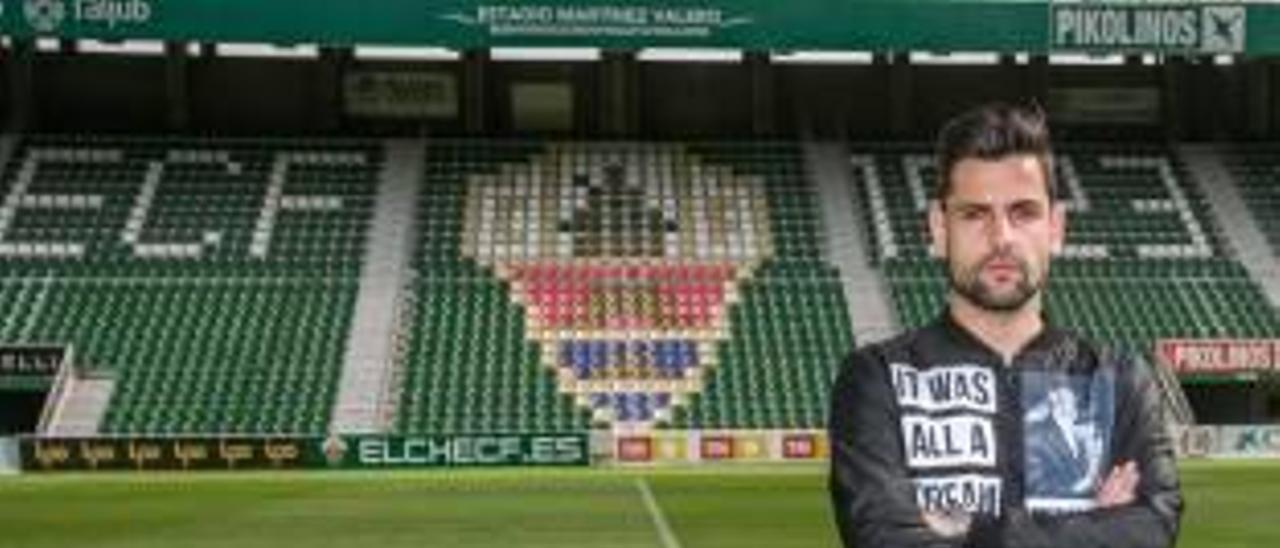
(873, 497)
(1151, 521)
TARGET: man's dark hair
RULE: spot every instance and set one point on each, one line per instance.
(992, 132)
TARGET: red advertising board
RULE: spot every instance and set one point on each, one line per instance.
(635, 449)
(800, 446)
(716, 447)
(1209, 356)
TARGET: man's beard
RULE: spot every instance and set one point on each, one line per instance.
(969, 284)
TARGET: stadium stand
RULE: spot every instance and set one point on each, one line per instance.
(556, 286)
(1144, 259)
(562, 286)
(213, 278)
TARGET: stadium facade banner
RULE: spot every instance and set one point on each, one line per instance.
(1219, 356)
(681, 446)
(282, 453)
(1196, 27)
(936, 25)
(878, 25)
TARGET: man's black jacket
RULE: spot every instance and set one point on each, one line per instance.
(934, 420)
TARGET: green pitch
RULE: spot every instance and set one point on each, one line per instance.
(1231, 504)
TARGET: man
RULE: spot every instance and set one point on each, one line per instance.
(936, 435)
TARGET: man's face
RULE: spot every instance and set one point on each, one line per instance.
(997, 230)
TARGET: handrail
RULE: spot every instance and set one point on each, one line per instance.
(55, 401)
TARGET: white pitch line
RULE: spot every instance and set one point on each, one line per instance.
(668, 537)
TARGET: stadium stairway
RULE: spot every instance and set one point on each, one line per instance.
(80, 408)
(865, 291)
(1222, 190)
(1255, 168)
(366, 401)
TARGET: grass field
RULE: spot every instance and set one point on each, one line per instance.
(1230, 504)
